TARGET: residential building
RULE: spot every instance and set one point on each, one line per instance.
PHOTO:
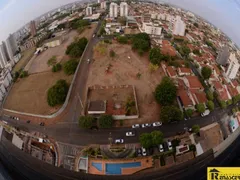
(33, 29)
(12, 48)
(193, 83)
(123, 9)
(146, 18)
(184, 71)
(103, 5)
(223, 56)
(233, 67)
(89, 11)
(113, 10)
(179, 27)
(4, 58)
(167, 48)
(153, 29)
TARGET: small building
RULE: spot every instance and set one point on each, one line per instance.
(17, 141)
(97, 107)
(182, 149)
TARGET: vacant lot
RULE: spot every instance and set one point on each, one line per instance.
(123, 70)
(30, 94)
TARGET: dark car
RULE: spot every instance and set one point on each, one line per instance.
(42, 124)
(28, 121)
(139, 152)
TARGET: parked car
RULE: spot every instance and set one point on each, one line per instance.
(136, 126)
(94, 35)
(207, 112)
(88, 61)
(169, 145)
(42, 124)
(119, 141)
(144, 152)
(4, 122)
(139, 152)
(28, 121)
(161, 148)
(146, 125)
(130, 133)
(156, 124)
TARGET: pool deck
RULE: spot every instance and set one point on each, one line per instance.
(146, 162)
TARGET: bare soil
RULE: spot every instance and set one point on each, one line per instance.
(123, 70)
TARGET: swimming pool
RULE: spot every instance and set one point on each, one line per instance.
(113, 169)
(98, 166)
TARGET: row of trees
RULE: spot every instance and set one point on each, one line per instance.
(75, 49)
(105, 121)
(148, 140)
(141, 42)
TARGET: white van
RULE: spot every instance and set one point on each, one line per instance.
(206, 112)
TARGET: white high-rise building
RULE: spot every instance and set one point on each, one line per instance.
(179, 27)
(153, 29)
(4, 59)
(12, 48)
(113, 10)
(233, 67)
(123, 9)
(89, 11)
(103, 5)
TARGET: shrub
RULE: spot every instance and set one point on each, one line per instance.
(196, 128)
(189, 112)
(24, 74)
(210, 105)
(200, 108)
(86, 121)
(76, 48)
(106, 121)
(57, 67)
(52, 61)
(210, 95)
(112, 54)
(122, 39)
(70, 67)
(57, 93)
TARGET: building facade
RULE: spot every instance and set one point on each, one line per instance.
(223, 56)
(4, 58)
(103, 5)
(123, 9)
(33, 28)
(233, 67)
(113, 10)
(179, 27)
(89, 11)
(150, 28)
(12, 48)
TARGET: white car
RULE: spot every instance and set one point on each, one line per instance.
(144, 152)
(88, 61)
(130, 133)
(146, 125)
(93, 35)
(119, 141)
(156, 124)
(161, 148)
(135, 126)
(169, 145)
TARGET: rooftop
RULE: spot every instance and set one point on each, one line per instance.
(194, 82)
(97, 105)
(186, 100)
(171, 71)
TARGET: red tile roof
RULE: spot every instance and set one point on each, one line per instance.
(200, 97)
(217, 85)
(232, 91)
(223, 95)
(171, 71)
(186, 101)
(216, 69)
(194, 82)
(235, 83)
(184, 70)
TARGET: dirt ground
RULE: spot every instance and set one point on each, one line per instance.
(131, 31)
(30, 94)
(123, 71)
(26, 56)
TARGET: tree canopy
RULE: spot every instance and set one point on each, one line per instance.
(200, 108)
(170, 114)
(206, 72)
(76, 48)
(210, 105)
(166, 92)
(106, 121)
(141, 42)
(196, 128)
(86, 121)
(57, 94)
(155, 56)
(157, 137)
(146, 140)
(122, 39)
(210, 95)
(189, 112)
(56, 67)
(70, 66)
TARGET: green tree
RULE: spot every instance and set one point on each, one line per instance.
(106, 121)
(122, 20)
(222, 104)
(141, 42)
(157, 138)
(235, 99)
(200, 108)
(130, 106)
(70, 67)
(57, 93)
(86, 121)
(196, 128)
(155, 56)
(170, 114)
(23, 74)
(206, 72)
(146, 140)
(57, 67)
(197, 52)
(189, 112)
(52, 61)
(210, 105)
(210, 95)
(166, 92)
(112, 53)
(76, 48)
(122, 39)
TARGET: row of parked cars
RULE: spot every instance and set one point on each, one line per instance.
(15, 118)
(155, 124)
(165, 146)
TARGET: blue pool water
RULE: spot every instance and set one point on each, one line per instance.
(98, 166)
(113, 169)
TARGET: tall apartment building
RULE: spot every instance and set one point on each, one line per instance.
(233, 67)
(12, 48)
(4, 58)
(113, 10)
(223, 56)
(89, 11)
(103, 5)
(152, 29)
(123, 9)
(179, 27)
(33, 28)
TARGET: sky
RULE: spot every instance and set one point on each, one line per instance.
(224, 14)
